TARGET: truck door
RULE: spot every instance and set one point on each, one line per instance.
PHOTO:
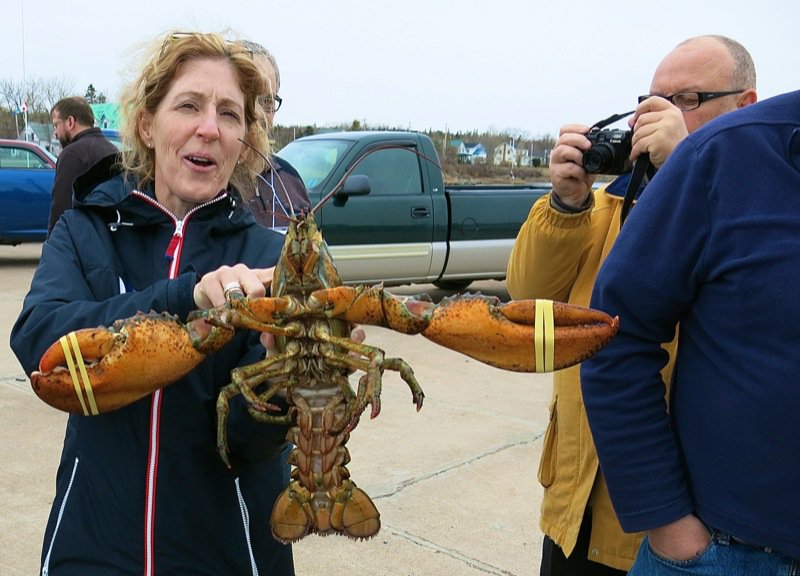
(387, 234)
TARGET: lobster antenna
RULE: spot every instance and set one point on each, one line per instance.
(275, 195)
(358, 161)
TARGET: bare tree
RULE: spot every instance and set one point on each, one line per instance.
(55, 89)
(13, 94)
(39, 94)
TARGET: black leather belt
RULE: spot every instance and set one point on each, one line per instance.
(728, 539)
(758, 547)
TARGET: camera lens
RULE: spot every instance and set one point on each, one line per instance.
(598, 159)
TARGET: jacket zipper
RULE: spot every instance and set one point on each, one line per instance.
(246, 523)
(173, 254)
(46, 563)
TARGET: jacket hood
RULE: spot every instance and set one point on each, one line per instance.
(106, 187)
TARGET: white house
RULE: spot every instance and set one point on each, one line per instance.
(506, 153)
(472, 153)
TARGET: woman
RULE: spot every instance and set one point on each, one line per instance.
(142, 490)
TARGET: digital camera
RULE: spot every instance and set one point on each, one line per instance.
(610, 151)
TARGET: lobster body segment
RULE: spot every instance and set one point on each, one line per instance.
(312, 316)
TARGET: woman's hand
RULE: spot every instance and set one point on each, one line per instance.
(214, 287)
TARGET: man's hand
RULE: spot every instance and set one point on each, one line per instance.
(571, 183)
(658, 127)
(684, 539)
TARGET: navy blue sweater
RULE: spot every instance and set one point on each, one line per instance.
(713, 245)
(142, 490)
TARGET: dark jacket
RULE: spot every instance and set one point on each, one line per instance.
(279, 182)
(76, 158)
(713, 244)
(142, 490)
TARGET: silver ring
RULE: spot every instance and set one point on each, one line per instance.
(231, 288)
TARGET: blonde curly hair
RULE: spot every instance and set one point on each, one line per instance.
(163, 61)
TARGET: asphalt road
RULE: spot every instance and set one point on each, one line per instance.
(455, 483)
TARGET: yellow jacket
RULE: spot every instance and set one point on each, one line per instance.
(557, 256)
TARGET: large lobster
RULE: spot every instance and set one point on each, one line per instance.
(312, 314)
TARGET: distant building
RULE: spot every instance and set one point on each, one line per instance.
(505, 154)
(540, 158)
(106, 116)
(468, 152)
(472, 153)
(43, 135)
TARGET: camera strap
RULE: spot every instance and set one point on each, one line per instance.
(641, 168)
(611, 119)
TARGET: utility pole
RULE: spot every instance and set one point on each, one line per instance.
(24, 82)
(22, 11)
(25, 118)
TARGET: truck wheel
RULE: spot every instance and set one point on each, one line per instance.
(454, 285)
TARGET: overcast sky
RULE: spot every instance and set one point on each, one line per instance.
(528, 66)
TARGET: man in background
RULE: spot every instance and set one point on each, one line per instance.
(557, 255)
(82, 145)
(281, 191)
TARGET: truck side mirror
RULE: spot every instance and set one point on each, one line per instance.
(354, 185)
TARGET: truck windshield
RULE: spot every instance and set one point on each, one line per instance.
(314, 159)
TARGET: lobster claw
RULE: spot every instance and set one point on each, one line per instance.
(101, 369)
(521, 335)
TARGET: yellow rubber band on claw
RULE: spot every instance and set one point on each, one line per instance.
(76, 365)
(544, 336)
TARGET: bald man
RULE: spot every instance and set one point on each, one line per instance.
(557, 255)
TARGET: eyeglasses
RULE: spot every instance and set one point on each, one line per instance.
(687, 101)
(271, 104)
(181, 35)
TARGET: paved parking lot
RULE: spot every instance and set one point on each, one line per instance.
(455, 483)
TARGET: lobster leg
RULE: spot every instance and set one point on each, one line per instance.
(246, 378)
(523, 335)
(373, 362)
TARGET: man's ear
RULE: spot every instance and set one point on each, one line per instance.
(746, 98)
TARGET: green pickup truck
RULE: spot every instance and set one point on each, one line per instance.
(394, 221)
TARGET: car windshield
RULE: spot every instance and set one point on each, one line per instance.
(48, 153)
(314, 159)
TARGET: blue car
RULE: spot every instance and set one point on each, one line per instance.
(113, 137)
(26, 182)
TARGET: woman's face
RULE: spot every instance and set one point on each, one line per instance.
(194, 133)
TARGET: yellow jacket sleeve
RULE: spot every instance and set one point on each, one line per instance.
(547, 254)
